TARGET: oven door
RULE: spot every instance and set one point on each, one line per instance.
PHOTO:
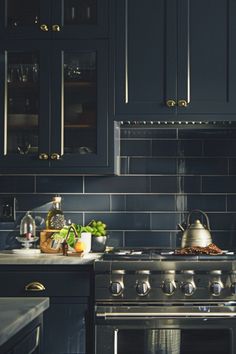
(188, 329)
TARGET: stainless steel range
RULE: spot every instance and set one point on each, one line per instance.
(151, 302)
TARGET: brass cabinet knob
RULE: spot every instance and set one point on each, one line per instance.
(55, 156)
(56, 28)
(35, 286)
(43, 156)
(182, 103)
(171, 103)
(44, 27)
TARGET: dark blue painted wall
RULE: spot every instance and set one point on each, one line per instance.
(165, 173)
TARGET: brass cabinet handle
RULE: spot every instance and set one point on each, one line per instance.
(171, 103)
(55, 156)
(43, 156)
(44, 27)
(182, 103)
(56, 28)
(35, 286)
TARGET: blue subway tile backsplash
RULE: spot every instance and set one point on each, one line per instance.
(165, 173)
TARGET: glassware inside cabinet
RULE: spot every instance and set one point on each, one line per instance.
(79, 12)
(22, 102)
(22, 13)
(80, 103)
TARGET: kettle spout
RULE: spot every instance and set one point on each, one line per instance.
(181, 227)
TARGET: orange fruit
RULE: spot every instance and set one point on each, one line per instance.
(79, 246)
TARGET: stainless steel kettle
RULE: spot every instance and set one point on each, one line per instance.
(196, 234)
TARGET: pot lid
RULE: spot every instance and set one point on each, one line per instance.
(196, 225)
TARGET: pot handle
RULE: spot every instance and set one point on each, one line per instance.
(201, 212)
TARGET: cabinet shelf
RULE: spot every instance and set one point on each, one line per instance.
(25, 85)
(23, 121)
(80, 126)
(80, 84)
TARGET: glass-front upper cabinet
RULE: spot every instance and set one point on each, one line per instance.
(54, 18)
(54, 116)
(79, 136)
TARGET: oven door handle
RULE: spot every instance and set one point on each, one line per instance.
(139, 315)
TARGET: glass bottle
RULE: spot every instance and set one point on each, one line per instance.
(55, 218)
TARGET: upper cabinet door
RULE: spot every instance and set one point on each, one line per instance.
(144, 58)
(207, 57)
(79, 134)
(80, 18)
(25, 18)
(25, 107)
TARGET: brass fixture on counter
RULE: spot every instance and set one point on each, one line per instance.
(64, 243)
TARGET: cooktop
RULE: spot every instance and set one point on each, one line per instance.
(162, 255)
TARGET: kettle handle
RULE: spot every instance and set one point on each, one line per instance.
(201, 212)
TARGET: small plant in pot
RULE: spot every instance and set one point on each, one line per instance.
(99, 235)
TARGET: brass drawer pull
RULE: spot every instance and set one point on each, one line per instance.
(56, 28)
(183, 103)
(43, 156)
(44, 27)
(35, 286)
(55, 156)
(171, 103)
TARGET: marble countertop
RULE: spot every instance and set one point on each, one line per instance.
(6, 257)
(16, 313)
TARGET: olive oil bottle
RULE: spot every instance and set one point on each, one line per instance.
(55, 218)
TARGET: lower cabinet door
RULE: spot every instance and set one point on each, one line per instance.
(65, 325)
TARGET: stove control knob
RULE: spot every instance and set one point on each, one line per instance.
(188, 288)
(233, 288)
(116, 288)
(143, 288)
(216, 288)
(169, 287)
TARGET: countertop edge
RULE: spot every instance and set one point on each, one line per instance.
(23, 312)
(48, 259)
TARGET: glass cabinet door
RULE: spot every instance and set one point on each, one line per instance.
(80, 18)
(82, 105)
(80, 102)
(26, 18)
(25, 113)
(22, 111)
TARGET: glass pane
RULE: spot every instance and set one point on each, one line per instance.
(174, 341)
(23, 102)
(79, 12)
(80, 103)
(22, 13)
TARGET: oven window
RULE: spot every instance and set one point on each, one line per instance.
(174, 341)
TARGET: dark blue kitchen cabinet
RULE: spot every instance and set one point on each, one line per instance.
(54, 90)
(54, 116)
(57, 19)
(173, 60)
(67, 323)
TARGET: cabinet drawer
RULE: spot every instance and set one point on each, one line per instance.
(38, 283)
